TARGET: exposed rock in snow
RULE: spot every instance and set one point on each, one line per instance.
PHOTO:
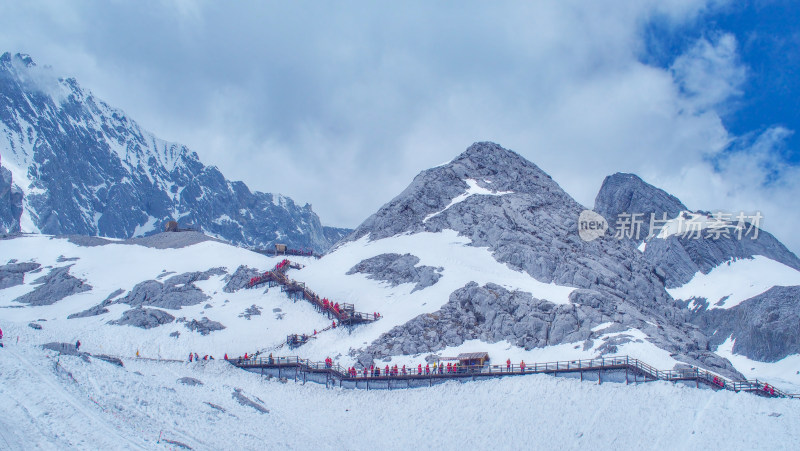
(245, 401)
(176, 292)
(253, 310)
(145, 318)
(492, 314)
(765, 328)
(13, 274)
(205, 326)
(53, 287)
(397, 269)
(98, 309)
(189, 381)
(239, 279)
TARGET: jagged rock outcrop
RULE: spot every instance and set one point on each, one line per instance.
(145, 318)
(175, 292)
(13, 274)
(627, 193)
(240, 278)
(678, 258)
(98, 309)
(766, 327)
(53, 287)
(10, 204)
(253, 310)
(397, 269)
(491, 313)
(205, 326)
(93, 171)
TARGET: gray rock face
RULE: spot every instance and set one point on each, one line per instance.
(240, 278)
(766, 327)
(253, 310)
(13, 274)
(677, 259)
(98, 309)
(530, 224)
(189, 381)
(680, 258)
(397, 269)
(53, 287)
(98, 173)
(245, 401)
(176, 292)
(627, 193)
(10, 204)
(109, 359)
(145, 318)
(491, 314)
(205, 326)
(63, 348)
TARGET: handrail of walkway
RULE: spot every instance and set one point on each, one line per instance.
(600, 363)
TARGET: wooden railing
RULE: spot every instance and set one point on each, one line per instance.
(346, 314)
(598, 364)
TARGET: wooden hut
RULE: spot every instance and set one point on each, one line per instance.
(280, 249)
(470, 358)
(171, 226)
(473, 358)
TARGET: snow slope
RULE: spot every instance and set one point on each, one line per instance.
(76, 404)
(121, 266)
(728, 284)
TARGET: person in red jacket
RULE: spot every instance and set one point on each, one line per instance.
(522, 366)
(226, 356)
(245, 356)
(419, 369)
(508, 365)
(334, 324)
(191, 356)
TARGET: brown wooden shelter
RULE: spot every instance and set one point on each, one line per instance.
(470, 358)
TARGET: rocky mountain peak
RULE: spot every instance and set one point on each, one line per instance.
(84, 167)
(627, 193)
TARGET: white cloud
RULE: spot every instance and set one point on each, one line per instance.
(341, 105)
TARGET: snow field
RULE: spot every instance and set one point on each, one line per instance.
(739, 280)
(104, 406)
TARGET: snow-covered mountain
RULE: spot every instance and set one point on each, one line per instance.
(479, 254)
(737, 282)
(484, 252)
(74, 165)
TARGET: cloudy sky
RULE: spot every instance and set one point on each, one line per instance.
(341, 104)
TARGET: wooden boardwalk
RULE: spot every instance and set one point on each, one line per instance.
(345, 314)
(618, 368)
